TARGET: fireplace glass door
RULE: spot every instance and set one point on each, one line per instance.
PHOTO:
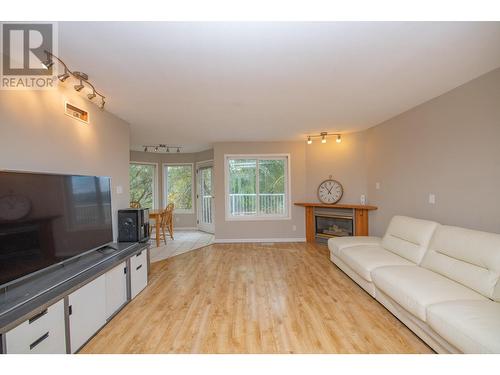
(334, 226)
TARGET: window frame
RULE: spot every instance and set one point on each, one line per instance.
(155, 181)
(288, 189)
(165, 188)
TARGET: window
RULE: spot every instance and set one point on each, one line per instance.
(257, 187)
(179, 186)
(142, 185)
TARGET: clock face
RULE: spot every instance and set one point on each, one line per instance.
(330, 191)
(14, 207)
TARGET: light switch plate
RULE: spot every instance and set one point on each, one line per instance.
(377, 185)
(432, 198)
(119, 189)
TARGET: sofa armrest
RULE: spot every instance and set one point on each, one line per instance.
(338, 243)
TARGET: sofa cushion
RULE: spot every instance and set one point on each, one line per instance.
(408, 237)
(471, 326)
(416, 288)
(337, 243)
(365, 258)
(467, 256)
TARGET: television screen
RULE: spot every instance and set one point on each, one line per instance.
(48, 218)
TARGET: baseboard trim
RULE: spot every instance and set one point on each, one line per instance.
(249, 240)
(185, 228)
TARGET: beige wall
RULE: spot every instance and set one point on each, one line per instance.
(272, 229)
(449, 146)
(180, 220)
(36, 135)
(345, 162)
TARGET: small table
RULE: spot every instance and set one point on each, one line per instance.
(155, 215)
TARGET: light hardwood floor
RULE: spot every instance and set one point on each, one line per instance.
(251, 298)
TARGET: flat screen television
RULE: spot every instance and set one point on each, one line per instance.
(46, 219)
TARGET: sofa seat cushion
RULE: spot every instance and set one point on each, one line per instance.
(338, 243)
(471, 326)
(416, 288)
(364, 259)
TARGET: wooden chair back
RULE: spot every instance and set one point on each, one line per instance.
(135, 205)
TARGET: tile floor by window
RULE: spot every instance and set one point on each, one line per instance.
(184, 241)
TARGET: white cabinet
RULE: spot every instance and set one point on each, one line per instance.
(43, 333)
(116, 289)
(87, 311)
(138, 273)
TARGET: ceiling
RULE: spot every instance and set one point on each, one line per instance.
(194, 84)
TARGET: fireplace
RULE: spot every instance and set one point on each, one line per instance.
(333, 224)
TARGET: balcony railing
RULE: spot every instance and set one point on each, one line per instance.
(246, 204)
(206, 209)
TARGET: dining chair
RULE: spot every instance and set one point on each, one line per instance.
(161, 227)
(169, 219)
(135, 205)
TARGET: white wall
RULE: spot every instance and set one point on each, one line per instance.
(36, 135)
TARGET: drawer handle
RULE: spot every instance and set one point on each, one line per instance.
(38, 316)
(138, 267)
(35, 343)
(139, 254)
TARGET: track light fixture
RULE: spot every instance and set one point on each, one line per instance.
(323, 136)
(82, 77)
(161, 147)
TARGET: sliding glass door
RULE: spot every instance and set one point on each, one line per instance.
(205, 198)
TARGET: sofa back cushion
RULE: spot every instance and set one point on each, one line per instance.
(469, 257)
(409, 237)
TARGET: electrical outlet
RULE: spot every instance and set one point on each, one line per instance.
(377, 185)
(432, 198)
(119, 189)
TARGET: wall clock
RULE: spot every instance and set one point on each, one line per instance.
(330, 191)
(14, 207)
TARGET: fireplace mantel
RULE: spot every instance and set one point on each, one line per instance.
(360, 217)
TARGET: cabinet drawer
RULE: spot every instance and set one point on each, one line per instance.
(44, 333)
(138, 273)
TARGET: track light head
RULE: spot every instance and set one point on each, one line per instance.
(63, 77)
(178, 149)
(48, 64)
(79, 87)
(156, 149)
(309, 140)
(145, 149)
(323, 137)
(168, 149)
(339, 138)
(91, 96)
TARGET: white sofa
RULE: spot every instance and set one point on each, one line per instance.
(442, 282)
